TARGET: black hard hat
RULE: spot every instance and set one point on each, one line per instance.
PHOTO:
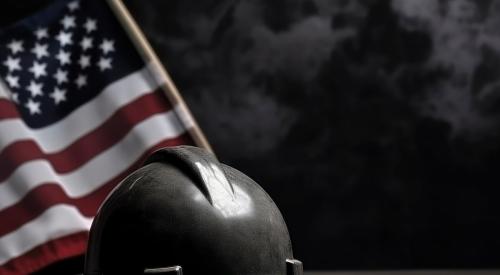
(183, 211)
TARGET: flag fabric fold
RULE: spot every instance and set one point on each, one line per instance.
(79, 110)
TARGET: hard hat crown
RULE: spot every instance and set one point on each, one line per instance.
(183, 210)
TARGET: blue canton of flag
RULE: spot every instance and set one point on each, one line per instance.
(61, 59)
(79, 110)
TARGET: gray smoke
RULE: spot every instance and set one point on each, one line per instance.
(241, 108)
(460, 36)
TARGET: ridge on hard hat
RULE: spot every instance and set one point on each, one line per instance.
(184, 212)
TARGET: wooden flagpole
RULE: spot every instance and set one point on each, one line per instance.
(146, 51)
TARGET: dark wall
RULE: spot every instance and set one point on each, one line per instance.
(373, 124)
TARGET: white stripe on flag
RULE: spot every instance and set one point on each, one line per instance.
(86, 118)
(99, 170)
(4, 94)
(56, 222)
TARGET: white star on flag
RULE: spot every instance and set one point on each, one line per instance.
(90, 25)
(86, 43)
(64, 38)
(16, 46)
(104, 64)
(58, 95)
(33, 106)
(81, 81)
(84, 61)
(41, 33)
(68, 22)
(38, 69)
(61, 76)
(40, 50)
(64, 57)
(107, 46)
(13, 64)
(35, 89)
(13, 81)
(72, 6)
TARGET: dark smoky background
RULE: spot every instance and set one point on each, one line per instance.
(374, 125)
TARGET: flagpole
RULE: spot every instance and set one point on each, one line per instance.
(168, 86)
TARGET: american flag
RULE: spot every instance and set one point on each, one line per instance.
(79, 110)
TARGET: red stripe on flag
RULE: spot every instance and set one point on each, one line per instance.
(46, 254)
(41, 198)
(8, 109)
(89, 145)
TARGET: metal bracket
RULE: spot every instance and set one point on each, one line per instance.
(177, 270)
(294, 267)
